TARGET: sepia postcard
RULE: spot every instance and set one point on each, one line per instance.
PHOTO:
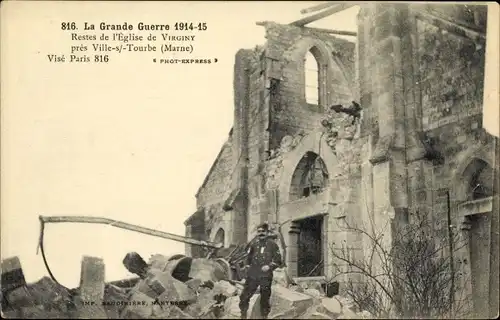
(249, 160)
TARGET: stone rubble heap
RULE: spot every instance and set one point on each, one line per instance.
(175, 287)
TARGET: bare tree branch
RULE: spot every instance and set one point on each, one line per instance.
(410, 278)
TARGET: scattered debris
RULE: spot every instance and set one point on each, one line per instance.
(168, 287)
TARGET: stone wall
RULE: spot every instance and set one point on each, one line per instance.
(421, 86)
(250, 129)
(211, 197)
(287, 47)
(450, 96)
(270, 101)
(451, 76)
(426, 81)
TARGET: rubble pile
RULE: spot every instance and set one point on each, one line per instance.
(175, 287)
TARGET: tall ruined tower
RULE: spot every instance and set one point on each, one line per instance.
(421, 73)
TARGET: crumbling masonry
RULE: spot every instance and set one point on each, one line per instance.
(419, 138)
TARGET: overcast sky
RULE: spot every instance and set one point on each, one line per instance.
(128, 140)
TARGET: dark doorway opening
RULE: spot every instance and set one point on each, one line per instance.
(310, 247)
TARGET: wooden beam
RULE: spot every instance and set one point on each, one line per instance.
(128, 226)
(450, 26)
(317, 7)
(331, 31)
(325, 13)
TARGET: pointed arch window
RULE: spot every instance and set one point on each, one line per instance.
(314, 177)
(312, 78)
(220, 236)
(310, 177)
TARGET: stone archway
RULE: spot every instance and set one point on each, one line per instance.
(472, 194)
(473, 157)
(314, 142)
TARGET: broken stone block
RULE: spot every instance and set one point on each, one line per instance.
(40, 312)
(88, 309)
(207, 284)
(288, 314)
(134, 263)
(207, 270)
(33, 312)
(20, 297)
(282, 300)
(170, 289)
(202, 291)
(317, 286)
(202, 309)
(319, 315)
(254, 307)
(160, 261)
(193, 310)
(113, 300)
(331, 307)
(92, 279)
(11, 314)
(313, 293)
(304, 285)
(203, 303)
(12, 274)
(279, 277)
(194, 284)
(143, 287)
(310, 311)
(50, 290)
(365, 315)
(231, 308)
(43, 292)
(139, 305)
(91, 290)
(348, 314)
(91, 312)
(296, 288)
(172, 312)
(157, 309)
(127, 283)
(225, 288)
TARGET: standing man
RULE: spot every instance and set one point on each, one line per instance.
(263, 257)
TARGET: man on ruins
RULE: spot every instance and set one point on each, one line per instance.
(263, 257)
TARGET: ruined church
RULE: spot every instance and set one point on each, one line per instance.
(329, 131)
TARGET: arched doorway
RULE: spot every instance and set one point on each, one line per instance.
(478, 191)
(310, 177)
